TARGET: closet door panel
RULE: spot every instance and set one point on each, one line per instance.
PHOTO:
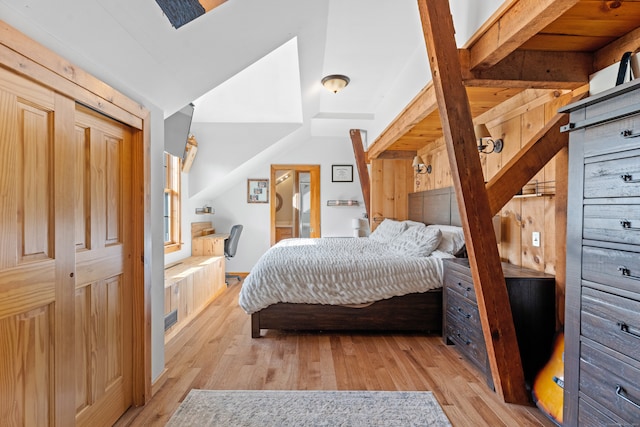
(27, 259)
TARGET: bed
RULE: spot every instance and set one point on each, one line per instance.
(409, 287)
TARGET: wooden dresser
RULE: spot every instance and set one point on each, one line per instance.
(532, 298)
(602, 320)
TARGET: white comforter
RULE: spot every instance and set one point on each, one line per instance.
(336, 271)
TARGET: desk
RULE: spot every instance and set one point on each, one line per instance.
(209, 245)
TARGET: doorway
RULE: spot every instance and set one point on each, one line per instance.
(295, 205)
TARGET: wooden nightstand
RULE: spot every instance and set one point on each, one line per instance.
(532, 298)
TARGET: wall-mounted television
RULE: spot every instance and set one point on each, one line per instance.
(176, 130)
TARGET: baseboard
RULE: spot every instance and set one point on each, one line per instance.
(159, 382)
(242, 274)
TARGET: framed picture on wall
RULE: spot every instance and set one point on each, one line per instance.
(341, 173)
(257, 190)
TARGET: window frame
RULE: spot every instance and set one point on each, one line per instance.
(172, 189)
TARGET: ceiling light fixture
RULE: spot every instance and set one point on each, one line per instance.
(335, 82)
(484, 138)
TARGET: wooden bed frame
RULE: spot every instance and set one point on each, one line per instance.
(417, 312)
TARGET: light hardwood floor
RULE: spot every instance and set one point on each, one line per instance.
(216, 351)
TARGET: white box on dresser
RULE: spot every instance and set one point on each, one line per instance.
(602, 319)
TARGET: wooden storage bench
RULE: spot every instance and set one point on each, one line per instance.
(189, 286)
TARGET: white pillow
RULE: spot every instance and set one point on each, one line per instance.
(416, 242)
(452, 238)
(414, 223)
(387, 230)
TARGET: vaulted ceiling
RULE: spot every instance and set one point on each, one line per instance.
(251, 62)
(230, 50)
(551, 44)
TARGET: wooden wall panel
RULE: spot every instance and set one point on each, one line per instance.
(532, 220)
(532, 121)
(392, 181)
(511, 237)
(25, 351)
(520, 217)
(511, 133)
(549, 236)
(434, 154)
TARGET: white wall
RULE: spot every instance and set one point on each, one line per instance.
(231, 206)
(157, 240)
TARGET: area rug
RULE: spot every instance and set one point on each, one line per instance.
(248, 408)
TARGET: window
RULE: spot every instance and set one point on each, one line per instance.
(172, 241)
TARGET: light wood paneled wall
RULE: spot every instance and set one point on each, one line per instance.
(515, 122)
(392, 181)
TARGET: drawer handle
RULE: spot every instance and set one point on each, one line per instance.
(621, 393)
(628, 133)
(628, 178)
(461, 311)
(625, 328)
(466, 288)
(627, 273)
(626, 224)
(466, 340)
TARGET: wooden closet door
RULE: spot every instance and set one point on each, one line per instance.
(65, 260)
(103, 293)
(34, 267)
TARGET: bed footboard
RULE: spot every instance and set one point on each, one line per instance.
(420, 312)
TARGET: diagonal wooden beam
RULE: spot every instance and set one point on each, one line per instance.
(541, 148)
(523, 20)
(363, 172)
(491, 291)
(529, 160)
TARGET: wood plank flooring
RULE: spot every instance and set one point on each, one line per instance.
(216, 351)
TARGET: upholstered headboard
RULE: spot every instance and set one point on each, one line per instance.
(435, 207)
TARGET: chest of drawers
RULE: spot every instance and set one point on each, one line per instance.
(532, 299)
(602, 319)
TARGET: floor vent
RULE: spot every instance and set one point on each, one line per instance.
(170, 319)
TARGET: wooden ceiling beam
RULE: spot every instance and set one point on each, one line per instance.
(513, 28)
(490, 287)
(419, 108)
(531, 69)
(566, 71)
(398, 154)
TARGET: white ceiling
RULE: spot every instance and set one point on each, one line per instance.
(251, 61)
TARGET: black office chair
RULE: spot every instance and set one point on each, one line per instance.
(230, 247)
